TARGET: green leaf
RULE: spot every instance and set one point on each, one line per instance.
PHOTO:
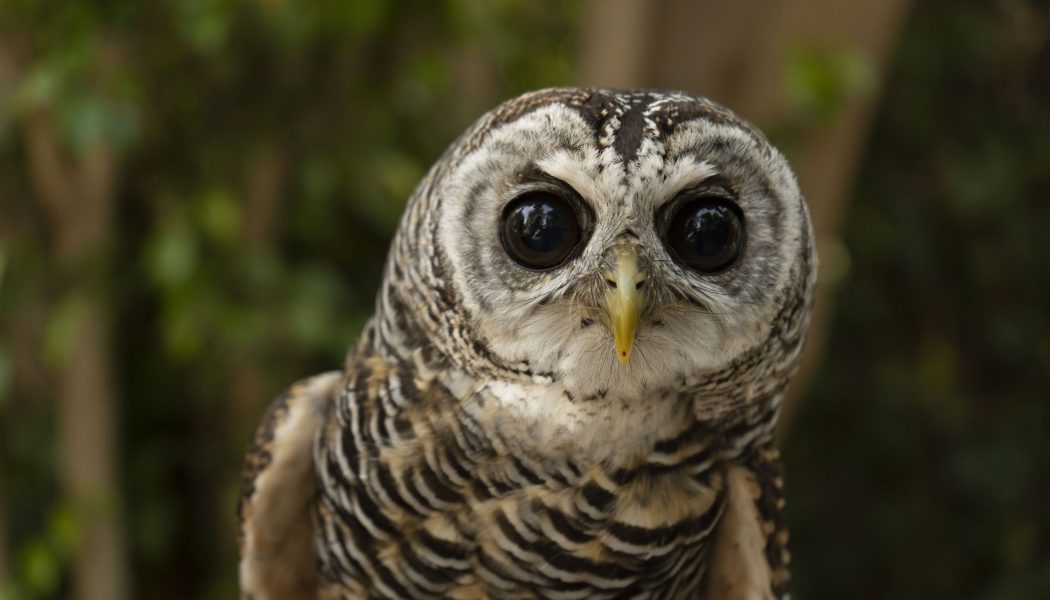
(62, 327)
(6, 374)
(219, 215)
(3, 265)
(172, 255)
(205, 24)
(184, 328)
(64, 529)
(11, 591)
(819, 82)
(41, 567)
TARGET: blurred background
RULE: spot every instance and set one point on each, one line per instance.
(196, 197)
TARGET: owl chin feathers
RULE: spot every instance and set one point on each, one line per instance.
(598, 405)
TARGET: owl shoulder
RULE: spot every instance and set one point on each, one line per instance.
(277, 489)
(749, 557)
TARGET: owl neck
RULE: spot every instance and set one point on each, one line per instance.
(544, 420)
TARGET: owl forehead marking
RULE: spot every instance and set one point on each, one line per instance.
(622, 120)
(634, 124)
(631, 131)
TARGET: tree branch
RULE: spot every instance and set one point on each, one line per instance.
(77, 196)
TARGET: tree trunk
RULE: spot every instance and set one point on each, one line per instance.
(9, 79)
(89, 433)
(263, 186)
(738, 53)
(249, 388)
(77, 195)
(5, 558)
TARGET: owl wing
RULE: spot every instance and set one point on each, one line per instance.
(749, 556)
(277, 491)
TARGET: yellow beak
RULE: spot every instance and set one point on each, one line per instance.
(623, 301)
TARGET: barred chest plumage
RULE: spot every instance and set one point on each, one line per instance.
(419, 497)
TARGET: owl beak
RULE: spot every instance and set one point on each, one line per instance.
(623, 300)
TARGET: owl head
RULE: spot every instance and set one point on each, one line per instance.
(614, 245)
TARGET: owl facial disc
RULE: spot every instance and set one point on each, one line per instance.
(608, 247)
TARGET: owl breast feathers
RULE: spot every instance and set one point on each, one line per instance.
(589, 315)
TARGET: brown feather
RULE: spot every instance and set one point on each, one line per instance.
(277, 553)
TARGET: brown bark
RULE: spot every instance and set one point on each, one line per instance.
(615, 37)
(77, 195)
(263, 185)
(737, 53)
(88, 428)
(264, 179)
(8, 82)
(5, 565)
(263, 188)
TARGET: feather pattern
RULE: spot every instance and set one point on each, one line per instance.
(483, 442)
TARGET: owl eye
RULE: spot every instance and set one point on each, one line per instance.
(707, 233)
(540, 230)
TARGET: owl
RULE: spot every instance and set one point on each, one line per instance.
(589, 316)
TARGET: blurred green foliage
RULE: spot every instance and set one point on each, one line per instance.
(919, 465)
(265, 150)
(820, 81)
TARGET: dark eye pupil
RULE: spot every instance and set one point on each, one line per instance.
(707, 234)
(540, 230)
